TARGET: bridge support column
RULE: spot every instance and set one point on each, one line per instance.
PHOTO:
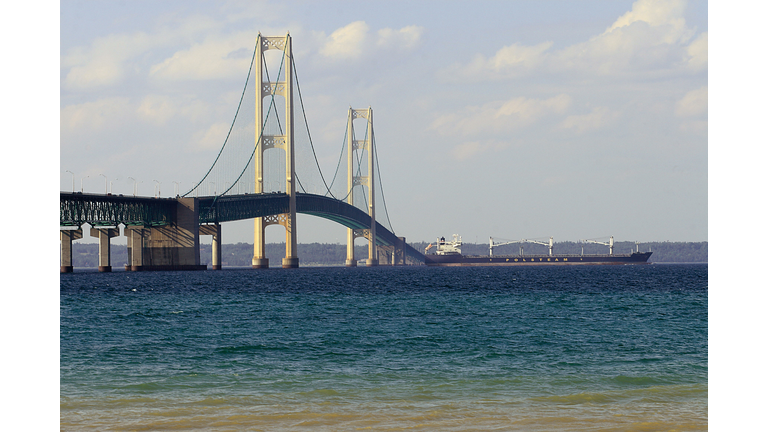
(398, 255)
(66, 237)
(373, 258)
(135, 241)
(291, 259)
(385, 254)
(285, 142)
(216, 249)
(175, 246)
(104, 234)
(260, 260)
(361, 180)
(351, 261)
(214, 231)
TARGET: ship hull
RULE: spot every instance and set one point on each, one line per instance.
(517, 260)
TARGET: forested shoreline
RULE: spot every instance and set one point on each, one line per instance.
(85, 255)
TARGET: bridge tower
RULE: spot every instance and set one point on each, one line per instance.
(364, 180)
(268, 89)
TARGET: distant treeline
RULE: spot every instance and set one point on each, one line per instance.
(328, 254)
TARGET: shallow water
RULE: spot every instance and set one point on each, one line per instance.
(481, 348)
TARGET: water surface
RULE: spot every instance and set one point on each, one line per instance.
(417, 348)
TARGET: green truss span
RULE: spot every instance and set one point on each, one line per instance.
(77, 209)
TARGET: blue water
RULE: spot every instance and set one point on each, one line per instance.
(417, 348)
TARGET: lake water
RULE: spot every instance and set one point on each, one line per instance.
(596, 348)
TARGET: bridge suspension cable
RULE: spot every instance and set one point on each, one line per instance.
(273, 91)
(269, 110)
(226, 174)
(381, 187)
(306, 123)
(346, 191)
(338, 165)
(239, 105)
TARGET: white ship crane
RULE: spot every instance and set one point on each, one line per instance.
(521, 242)
(551, 244)
(504, 243)
(609, 244)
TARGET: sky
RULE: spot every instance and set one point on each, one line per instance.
(504, 119)
(571, 119)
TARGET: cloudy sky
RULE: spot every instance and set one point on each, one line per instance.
(508, 119)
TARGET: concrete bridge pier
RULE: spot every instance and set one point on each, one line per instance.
(393, 254)
(260, 263)
(214, 230)
(135, 242)
(67, 236)
(260, 260)
(351, 261)
(385, 254)
(175, 246)
(373, 251)
(104, 234)
(398, 255)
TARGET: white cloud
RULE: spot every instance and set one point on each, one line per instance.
(694, 103)
(346, 42)
(104, 62)
(500, 116)
(156, 109)
(213, 137)
(653, 36)
(698, 52)
(596, 119)
(111, 59)
(110, 114)
(96, 74)
(650, 37)
(517, 56)
(212, 59)
(532, 109)
(355, 41)
(656, 13)
(510, 61)
(407, 37)
(92, 116)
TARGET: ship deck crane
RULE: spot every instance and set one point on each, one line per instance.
(550, 244)
(492, 245)
(609, 244)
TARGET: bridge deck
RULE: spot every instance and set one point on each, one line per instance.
(111, 210)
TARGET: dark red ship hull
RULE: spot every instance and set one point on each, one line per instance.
(502, 260)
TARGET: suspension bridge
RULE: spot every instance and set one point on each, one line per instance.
(266, 170)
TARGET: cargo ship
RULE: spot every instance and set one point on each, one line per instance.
(448, 253)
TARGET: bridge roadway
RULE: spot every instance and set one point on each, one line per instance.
(111, 210)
